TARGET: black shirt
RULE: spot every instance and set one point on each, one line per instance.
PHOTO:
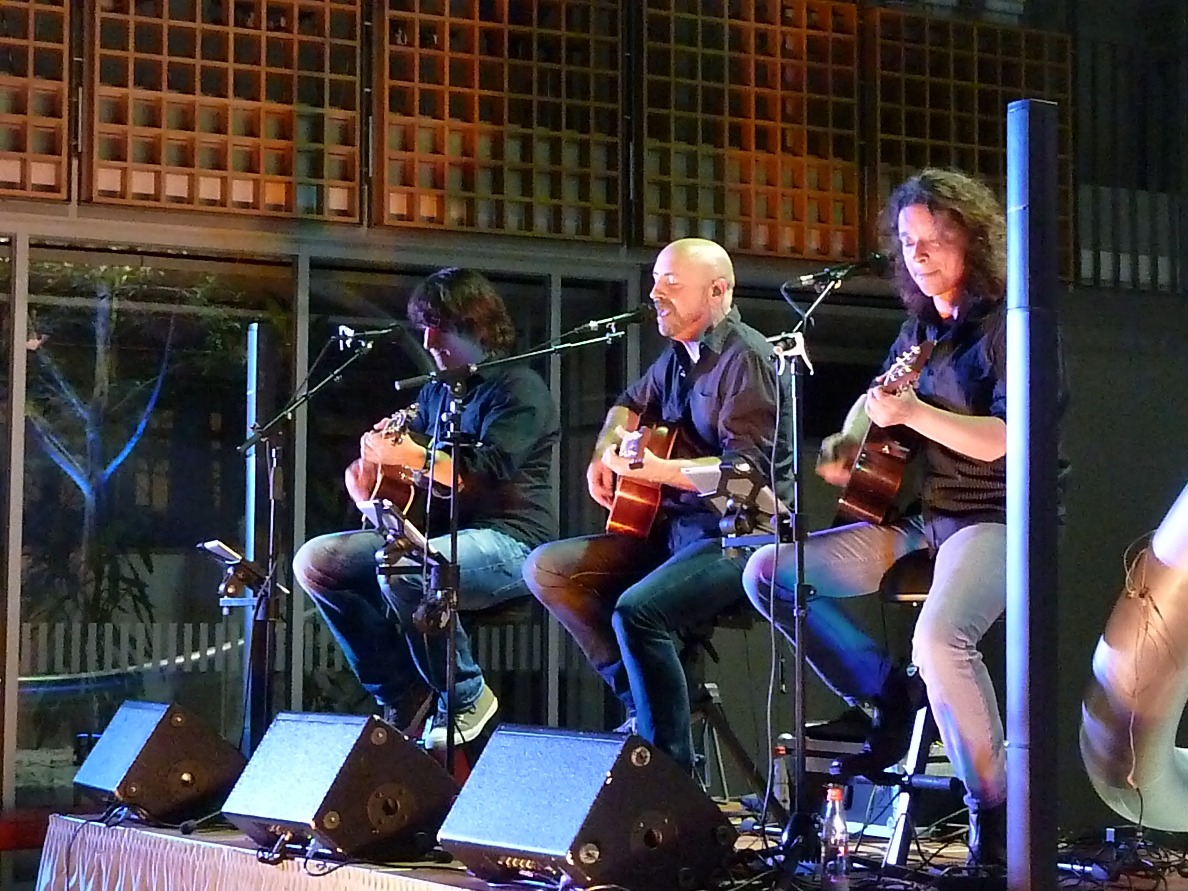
(506, 478)
(966, 374)
(724, 405)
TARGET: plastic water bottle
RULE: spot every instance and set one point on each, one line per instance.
(835, 841)
(781, 781)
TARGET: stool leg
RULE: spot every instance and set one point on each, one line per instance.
(710, 738)
(711, 712)
(716, 698)
(916, 762)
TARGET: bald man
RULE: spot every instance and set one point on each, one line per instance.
(623, 596)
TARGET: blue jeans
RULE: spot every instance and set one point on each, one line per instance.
(385, 652)
(968, 594)
(622, 599)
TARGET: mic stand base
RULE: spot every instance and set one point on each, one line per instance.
(799, 842)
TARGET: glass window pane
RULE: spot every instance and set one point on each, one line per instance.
(591, 378)
(136, 401)
(376, 297)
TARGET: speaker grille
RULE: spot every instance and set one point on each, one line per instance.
(162, 760)
(596, 808)
(351, 783)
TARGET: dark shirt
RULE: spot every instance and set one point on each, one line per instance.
(966, 374)
(722, 406)
(506, 479)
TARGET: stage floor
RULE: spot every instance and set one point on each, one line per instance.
(81, 854)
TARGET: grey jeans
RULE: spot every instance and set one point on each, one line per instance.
(968, 594)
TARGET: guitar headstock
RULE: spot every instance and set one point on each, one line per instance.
(905, 370)
(397, 424)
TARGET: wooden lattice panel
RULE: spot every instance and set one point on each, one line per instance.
(501, 116)
(941, 90)
(34, 69)
(751, 125)
(232, 105)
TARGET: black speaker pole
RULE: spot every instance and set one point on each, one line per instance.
(1033, 393)
(444, 575)
(799, 839)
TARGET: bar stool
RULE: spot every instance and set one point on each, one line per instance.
(706, 703)
(520, 609)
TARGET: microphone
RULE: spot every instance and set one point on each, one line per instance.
(432, 615)
(642, 312)
(875, 262)
(347, 336)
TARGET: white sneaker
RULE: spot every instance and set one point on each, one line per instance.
(468, 722)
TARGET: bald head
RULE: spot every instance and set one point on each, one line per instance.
(693, 287)
(710, 255)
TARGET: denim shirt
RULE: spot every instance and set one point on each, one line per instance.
(506, 478)
(723, 405)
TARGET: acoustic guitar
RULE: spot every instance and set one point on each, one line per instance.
(637, 502)
(883, 458)
(367, 481)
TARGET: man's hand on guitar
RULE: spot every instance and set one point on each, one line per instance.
(630, 456)
(600, 482)
(887, 409)
(380, 449)
(617, 464)
(836, 458)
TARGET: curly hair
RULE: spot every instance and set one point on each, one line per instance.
(966, 202)
(464, 302)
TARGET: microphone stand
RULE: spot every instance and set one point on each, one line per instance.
(444, 574)
(259, 630)
(799, 841)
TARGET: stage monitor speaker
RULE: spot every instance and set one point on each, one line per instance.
(352, 784)
(162, 762)
(586, 808)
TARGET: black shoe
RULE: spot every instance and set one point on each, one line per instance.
(987, 836)
(902, 695)
(852, 725)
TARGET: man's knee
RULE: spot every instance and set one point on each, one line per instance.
(757, 578)
(637, 614)
(307, 568)
(937, 641)
(543, 573)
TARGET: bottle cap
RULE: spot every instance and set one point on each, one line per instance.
(835, 793)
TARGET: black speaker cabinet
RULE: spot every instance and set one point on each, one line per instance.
(353, 784)
(597, 808)
(161, 760)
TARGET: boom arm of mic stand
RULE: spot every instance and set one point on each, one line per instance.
(548, 349)
(299, 399)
